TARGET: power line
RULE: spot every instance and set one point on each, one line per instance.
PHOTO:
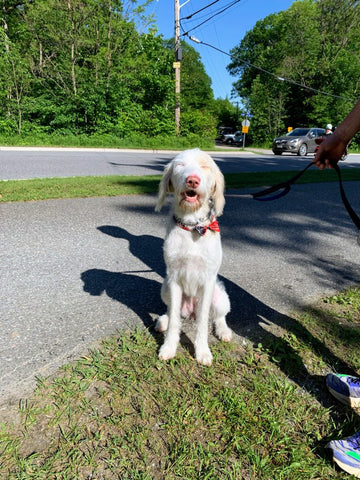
(219, 12)
(282, 79)
(198, 11)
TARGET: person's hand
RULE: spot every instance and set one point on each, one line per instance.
(330, 151)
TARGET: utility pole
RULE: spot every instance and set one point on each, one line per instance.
(177, 63)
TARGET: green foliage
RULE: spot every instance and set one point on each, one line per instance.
(313, 43)
(193, 73)
(226, 113)
(202, 122)
(83, 67)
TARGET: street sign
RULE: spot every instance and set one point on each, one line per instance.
(245, 129)
(245, 123)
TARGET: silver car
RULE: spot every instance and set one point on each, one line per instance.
(231, 138)
(300, 141)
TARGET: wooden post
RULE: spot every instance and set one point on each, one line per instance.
(177, 67)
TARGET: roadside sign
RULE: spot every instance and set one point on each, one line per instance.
(176, 64)
(245, 129)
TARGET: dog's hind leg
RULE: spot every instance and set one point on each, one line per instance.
(168, 349)
(220, 307)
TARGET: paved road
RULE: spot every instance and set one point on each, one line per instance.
(74, 271)
(40, 163)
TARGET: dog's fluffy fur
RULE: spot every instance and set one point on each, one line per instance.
(191, 287)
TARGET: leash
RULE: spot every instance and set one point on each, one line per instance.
(284, 188)
(354, 217)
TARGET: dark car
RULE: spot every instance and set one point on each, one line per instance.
(300, 141)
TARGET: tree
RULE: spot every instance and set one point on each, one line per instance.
(82, 66)
(86, 61)
(226, 113)
(301, 47)
(196, 91)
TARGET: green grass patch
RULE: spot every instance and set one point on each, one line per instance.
(256, 179)
(119, 412)
(76, 187)
(81, 187)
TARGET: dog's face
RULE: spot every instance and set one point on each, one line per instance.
(193, 177)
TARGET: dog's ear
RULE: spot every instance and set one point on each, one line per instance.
(165, 186)
(218, 192)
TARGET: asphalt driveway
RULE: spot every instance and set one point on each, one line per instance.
(74, 271)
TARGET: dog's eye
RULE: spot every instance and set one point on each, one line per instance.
(204, 166)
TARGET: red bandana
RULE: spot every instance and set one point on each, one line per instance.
(201, 229)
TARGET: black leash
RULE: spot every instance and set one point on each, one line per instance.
(283, 189)
(354, 217)
(283, 186)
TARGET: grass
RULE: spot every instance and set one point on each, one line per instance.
(120, 413)
(76, 187)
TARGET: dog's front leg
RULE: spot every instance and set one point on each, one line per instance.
(202, 350)
(168, 349)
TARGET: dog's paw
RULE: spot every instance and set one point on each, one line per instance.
(162, 323)
(224, 334)
(204, 357)
(166, 352)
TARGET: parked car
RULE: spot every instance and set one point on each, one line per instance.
(223, 131)
(300, 141)
(231, 138)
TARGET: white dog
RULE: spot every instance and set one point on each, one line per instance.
(192, 253)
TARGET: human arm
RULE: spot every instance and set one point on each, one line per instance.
(333, 147)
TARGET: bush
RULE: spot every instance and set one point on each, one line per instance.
(60, 139)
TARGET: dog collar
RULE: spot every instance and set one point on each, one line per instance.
(201, 229)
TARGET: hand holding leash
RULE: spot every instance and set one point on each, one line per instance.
(331, 149)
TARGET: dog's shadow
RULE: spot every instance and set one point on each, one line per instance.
(125, 288)
(146, 248)
(249, 317)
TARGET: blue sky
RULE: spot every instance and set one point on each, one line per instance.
(224, 31)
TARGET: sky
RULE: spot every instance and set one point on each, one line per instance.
(224, 31)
